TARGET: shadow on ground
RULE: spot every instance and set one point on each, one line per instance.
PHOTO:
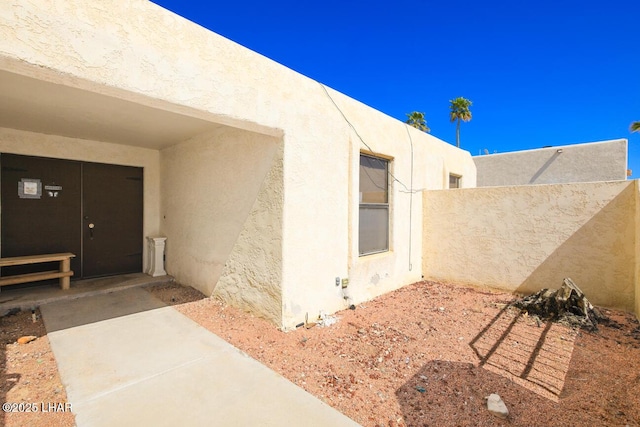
(174, 293)
(537, 358)
(518, 358)
(456, 391)
(111, 305)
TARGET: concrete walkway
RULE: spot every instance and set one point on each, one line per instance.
(128, 359)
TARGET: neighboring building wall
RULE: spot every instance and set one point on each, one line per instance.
(590, 162)
(36, 144)
(526, 238)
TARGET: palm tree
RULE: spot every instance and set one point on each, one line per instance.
(459, 111)
(416, 119)
(635, 127)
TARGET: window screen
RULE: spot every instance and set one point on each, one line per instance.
(374, 205)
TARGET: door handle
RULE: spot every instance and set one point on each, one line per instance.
(91, 227)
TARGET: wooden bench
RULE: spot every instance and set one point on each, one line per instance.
(64, 273)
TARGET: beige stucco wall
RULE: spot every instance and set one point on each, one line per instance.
(637, 259)
(587, 162)
(252, 274)
(136, 50)
(322, 205)
(36, 144)
(526, 238)
(433, 160)
(282, 137)
(216, 188)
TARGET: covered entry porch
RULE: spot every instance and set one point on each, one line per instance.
(201, 174)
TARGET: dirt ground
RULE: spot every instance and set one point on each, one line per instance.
(425, 355)
(30, 381)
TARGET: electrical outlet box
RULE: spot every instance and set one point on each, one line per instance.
(345, 282)
(337, 281)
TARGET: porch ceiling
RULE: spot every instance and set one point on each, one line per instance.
(40, 106)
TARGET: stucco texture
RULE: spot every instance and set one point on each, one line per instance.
(526, 238)
(637, 237)
(322, 208)
(252, 275)
(215, 187)
(587, 162)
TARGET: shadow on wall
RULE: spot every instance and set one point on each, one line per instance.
(544, 167)
(599, 257)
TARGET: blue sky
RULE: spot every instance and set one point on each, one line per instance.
(538, 72)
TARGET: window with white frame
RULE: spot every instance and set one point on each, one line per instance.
(374, 205)
(454, 181)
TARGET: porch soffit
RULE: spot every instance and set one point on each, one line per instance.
(39, 106)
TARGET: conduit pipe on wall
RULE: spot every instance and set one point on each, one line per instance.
(410, 197)
(389, 172)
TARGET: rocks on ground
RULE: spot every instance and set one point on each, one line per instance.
(496, 406)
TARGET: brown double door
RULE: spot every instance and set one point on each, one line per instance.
(93, 210)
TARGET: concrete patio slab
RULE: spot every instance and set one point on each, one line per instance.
(127, 359)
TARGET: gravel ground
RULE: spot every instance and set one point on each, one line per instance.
(425, 355)
(30, 379)
(428, 354)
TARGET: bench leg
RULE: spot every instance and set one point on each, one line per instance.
(65, 282)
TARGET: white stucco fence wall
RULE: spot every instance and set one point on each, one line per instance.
(526, 238)
(637, 253)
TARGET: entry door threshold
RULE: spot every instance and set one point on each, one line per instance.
(30, 298)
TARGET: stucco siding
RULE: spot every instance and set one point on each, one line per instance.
(53, 146)
(376, 274)
(210, 184)
(527, 238)
(252, 275)
(637, 254)
(139, 51)
(589, 162)
(322, 204)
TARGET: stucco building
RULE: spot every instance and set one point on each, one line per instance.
(269, 187)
